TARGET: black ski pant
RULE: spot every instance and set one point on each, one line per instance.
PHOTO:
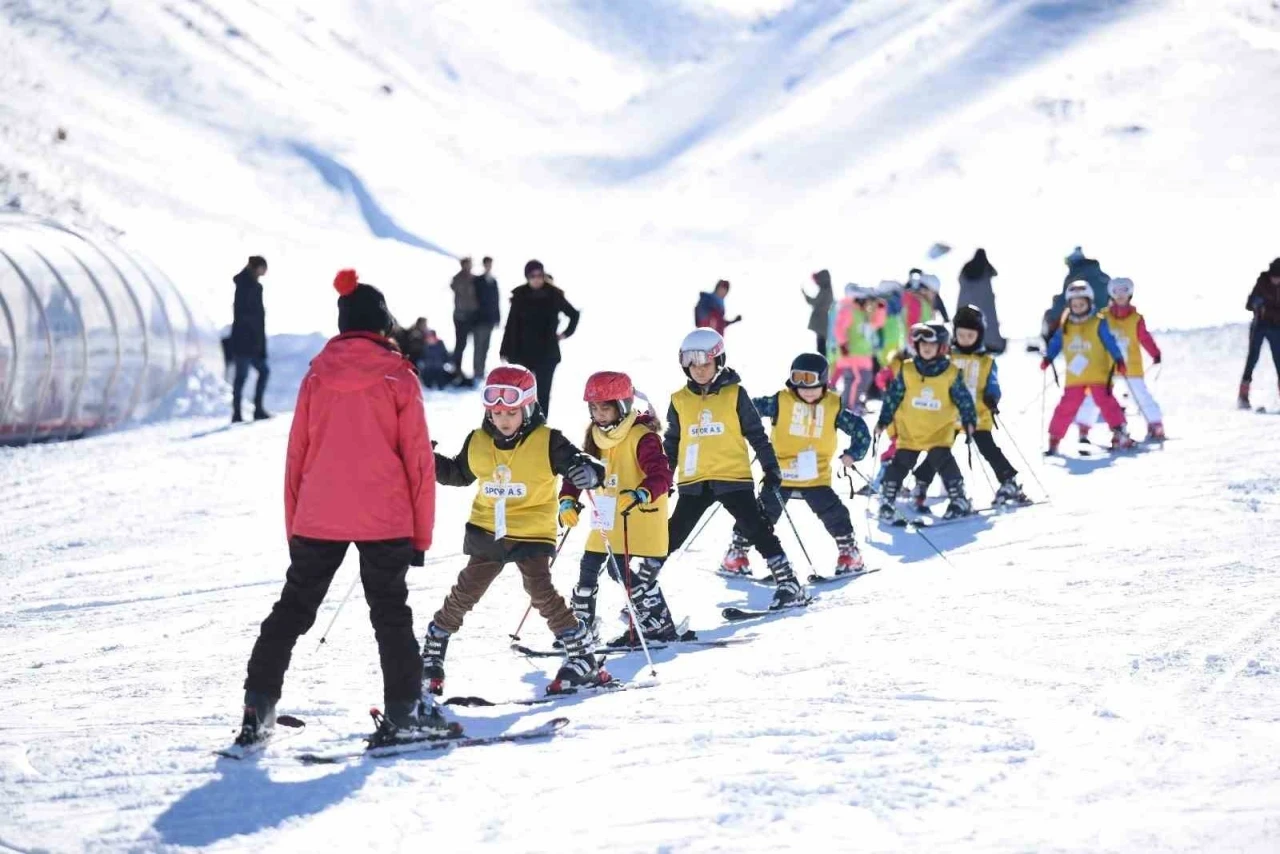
(986, 442)
(544, 373)
(939, 459)
(1258, 333)
(464, 326)
(742, 506)
(822, 500)
(259, 365)
(383, 566)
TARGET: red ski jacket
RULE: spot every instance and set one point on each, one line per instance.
(359, 465)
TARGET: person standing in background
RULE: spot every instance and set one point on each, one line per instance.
(821, 302)
(248, 343)
(976, 289)
(465, 311)
(1264, 302)
(488, 315)
(532, 336)
(709, 313)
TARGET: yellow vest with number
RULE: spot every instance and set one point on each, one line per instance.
(927, 417)
(520, 481)
(646, 524)
(1125, 330)
(807, 429)
(1088, 362)
(712, 446)
(975, 370)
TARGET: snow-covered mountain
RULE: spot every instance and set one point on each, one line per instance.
(677, 141)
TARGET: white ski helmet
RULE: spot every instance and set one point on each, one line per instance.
(1079, 289)
(700, 347)
(1120, 287)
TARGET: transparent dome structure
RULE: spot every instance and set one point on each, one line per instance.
(91, 336)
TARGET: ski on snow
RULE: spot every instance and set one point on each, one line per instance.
(735, 615)
(293, 725)
(681, 643)
(611, 687)
(815, 578)
(545, 730)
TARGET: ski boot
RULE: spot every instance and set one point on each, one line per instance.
(434, 647)
(919, 494)
(959, 505)
(1121, 440)
(1053, 447)
(888, 501)
(581, 669)
(260, 414)
(651, 608)
(406, 721)
(1010, 493)
(848, 558)
(736, 563)
(1155, 432)
(583, 604)
(1242, 402)
(789, 592)
(259, 718)
(1083, 438)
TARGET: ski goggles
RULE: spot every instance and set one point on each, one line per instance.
(921, 334)
(689, 358)
(506, 395)
(806, 379)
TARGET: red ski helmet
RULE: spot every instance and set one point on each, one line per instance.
(611, 387)
(511, 387)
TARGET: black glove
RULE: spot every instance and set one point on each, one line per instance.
(583, 475)
(991, 402)
(419, 558)
(771, 482)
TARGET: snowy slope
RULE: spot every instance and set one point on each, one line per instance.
(680, 141)
(1100, 673)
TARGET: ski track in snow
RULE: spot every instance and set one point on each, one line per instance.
(1100, 673)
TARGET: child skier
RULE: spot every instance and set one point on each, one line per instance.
(710, 422)
(516, 458)
(806, 417)
(1130, 331)
(923, 403)
(853, 344)
(978, 369)
(1087, 341)
(637, 478)
(358, 469)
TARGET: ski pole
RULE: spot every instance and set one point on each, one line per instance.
(626, 552)
(785, 512)
(338, 611)
(1021, 456)
(515, 636)
(1044, 384)
(631, 608)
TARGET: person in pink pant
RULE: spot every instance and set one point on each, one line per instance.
(1086, 342)
(858, 317)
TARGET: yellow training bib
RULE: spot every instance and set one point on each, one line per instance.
(1125, 330)
(712, 446)
(1088, 362)
(804, 436)
(975, 370)
(646, 524)
(516, 489)
(927, 417)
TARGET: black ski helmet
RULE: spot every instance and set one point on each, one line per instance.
(811, 363)
(971, 317)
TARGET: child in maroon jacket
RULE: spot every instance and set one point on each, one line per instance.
(359, 469)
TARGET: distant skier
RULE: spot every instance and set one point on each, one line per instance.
(247, 344)
(636, 482)
(922, 300)
(709, 313)
(976, 289)
(1130, 331)
(978, 369)
(807, 418)
(515, 458)
(859, 316)
(358, 469)
(1085, 340)
(923, 403)
(820, 308)
(1264, 302)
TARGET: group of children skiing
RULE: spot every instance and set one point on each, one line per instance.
(355, 405)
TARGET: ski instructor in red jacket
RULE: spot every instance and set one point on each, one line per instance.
(359, 469)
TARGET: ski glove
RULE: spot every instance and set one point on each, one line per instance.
(1122, 369)
(991, 402)
(569, 510)
(1155, 359)
(419, 558)
(771, 481)
(640, 496)
(583, 475)
(1044, 364)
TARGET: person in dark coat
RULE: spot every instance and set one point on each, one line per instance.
(532, 336)
(248, 343)
(976, 289)
(488, 315)
(1079, 269)
(1264, 302)
(710, 313)
(465, 311)
(431, 367)
(821, 302)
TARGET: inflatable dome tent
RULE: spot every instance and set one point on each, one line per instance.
(91, 336)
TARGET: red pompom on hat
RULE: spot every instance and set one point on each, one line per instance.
(345, 282)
